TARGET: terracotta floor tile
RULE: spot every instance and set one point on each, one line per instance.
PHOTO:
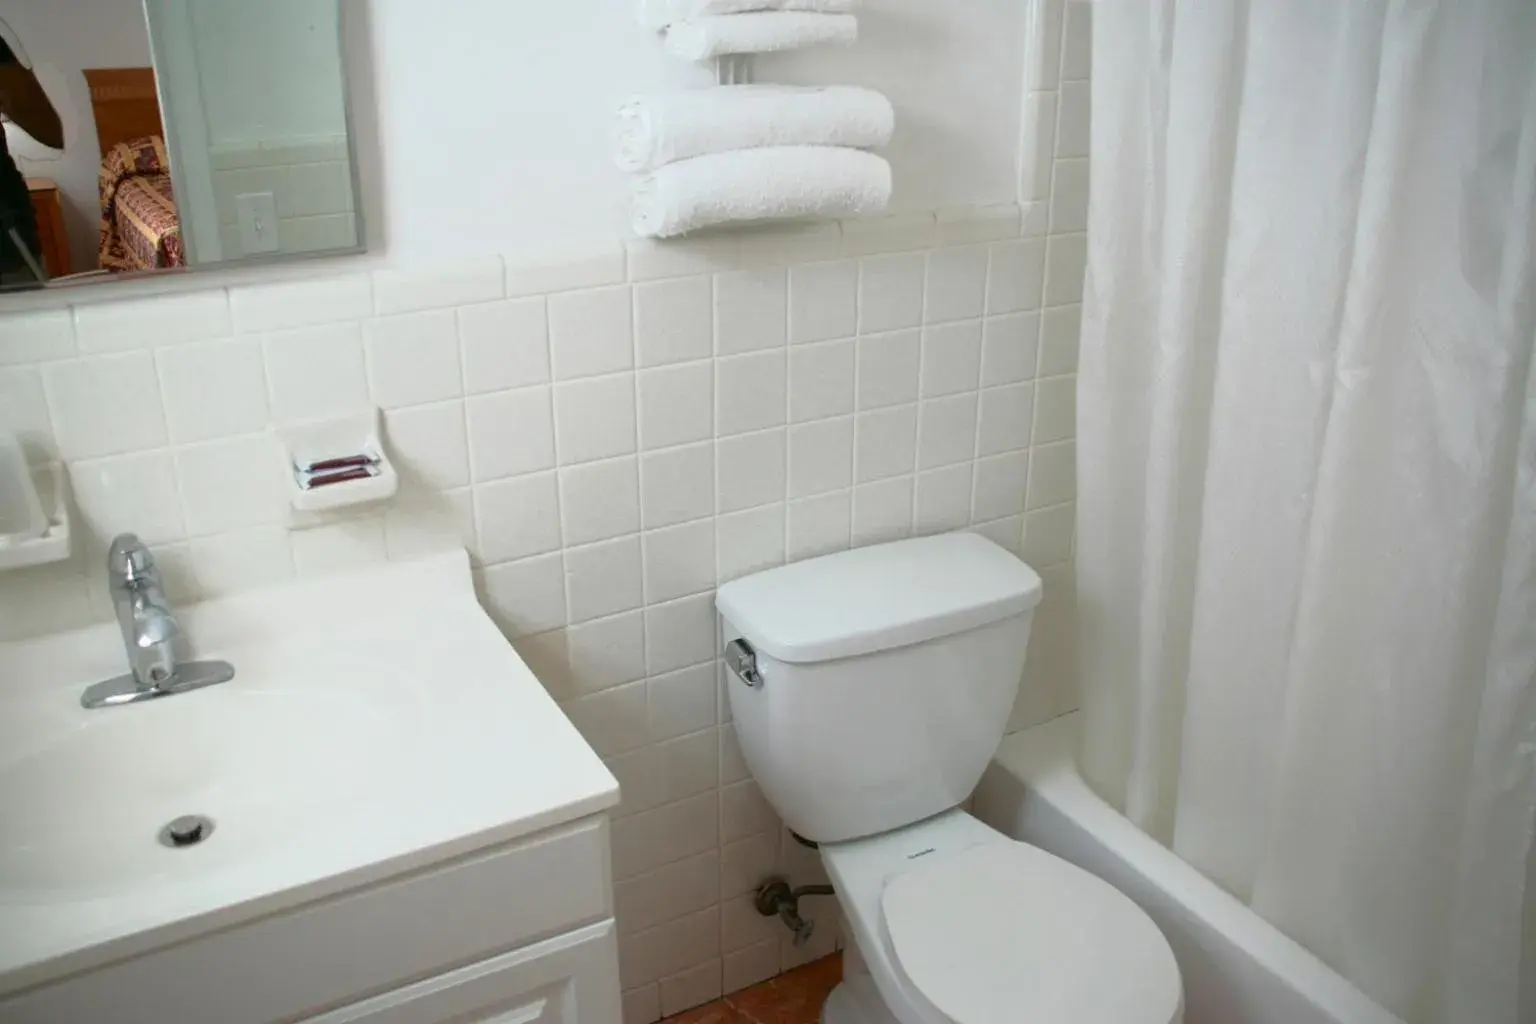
(792, 998)
(718, 1012)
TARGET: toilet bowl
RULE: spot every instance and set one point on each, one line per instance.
(953, 921)
(870, 689)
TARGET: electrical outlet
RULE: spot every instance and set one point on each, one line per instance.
(257, 213)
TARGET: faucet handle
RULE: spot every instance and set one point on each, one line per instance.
(129, 560)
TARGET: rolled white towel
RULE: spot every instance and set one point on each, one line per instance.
(658, 14)
(758, 32)
(653, 131)
(772, 183)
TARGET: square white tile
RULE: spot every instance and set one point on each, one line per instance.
(888, 366)
(215, 389)
(595, 418)
(1005, 419)
(683, 702)
(603, 579)
(674, 320)
(609, 652)
(957, 284)
(599, 500)
(891, 292)
(1016, 276)
(677, 485)
(591, 332)
(1048, 534)
(230, 484)
(951, 358)
(821, 380)
(823, 301)
(1059, 332)
(885, 443)
(315, 372)
(749, 392)
(1000, 485)
(751, 310)
(942, 499)
(516, 518)
(105, 405)
(882, 511)
(1009, 346)
(946, 431)
(679, 634)
(1069, 196)
(749, 470)
(1066, 257)
(504, 345)
(819, 525)
(1072, 128)
(428, 445)
(526, 597)
(413, 358)
(1055, 409)
(135, 493)
(750, 541)
(820, 456)
(679, 560)
(677, 404)
(510, 432)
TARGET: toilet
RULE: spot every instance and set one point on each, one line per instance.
(870, 689)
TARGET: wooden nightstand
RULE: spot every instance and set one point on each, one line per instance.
(49, 210)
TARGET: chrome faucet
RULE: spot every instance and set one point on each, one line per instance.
(151, 634)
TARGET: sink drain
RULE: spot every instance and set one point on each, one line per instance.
(187, 830)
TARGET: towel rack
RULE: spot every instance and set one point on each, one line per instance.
(733, 69)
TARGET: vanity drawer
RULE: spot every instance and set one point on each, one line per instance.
(573, 979)
(326, 955)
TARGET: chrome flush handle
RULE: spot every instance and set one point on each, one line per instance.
(741, 659)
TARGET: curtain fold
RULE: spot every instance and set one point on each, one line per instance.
(1307, 470)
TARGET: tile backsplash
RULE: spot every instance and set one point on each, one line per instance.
(611, 434)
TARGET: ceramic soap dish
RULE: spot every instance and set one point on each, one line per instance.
(31, 533)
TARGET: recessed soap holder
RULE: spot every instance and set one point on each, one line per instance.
(331, 464)
(47, 538)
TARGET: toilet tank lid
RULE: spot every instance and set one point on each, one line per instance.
(876, 598)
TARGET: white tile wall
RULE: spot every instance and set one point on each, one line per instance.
(611, 435)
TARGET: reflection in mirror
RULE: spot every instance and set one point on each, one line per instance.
(147, 135)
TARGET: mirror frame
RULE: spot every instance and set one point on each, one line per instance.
(344, 25)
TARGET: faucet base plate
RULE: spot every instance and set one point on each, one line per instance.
(191, 675)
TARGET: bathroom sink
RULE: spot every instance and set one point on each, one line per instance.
(377, 723)
(84, 804)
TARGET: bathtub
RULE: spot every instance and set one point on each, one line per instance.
(1237, 968)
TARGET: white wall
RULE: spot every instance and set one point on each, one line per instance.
(508, 106)
(62, 37)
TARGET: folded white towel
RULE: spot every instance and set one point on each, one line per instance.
(658, 14)
(653, 131)
(759, 32)
(760, 184)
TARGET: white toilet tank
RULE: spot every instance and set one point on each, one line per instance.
(885, 677)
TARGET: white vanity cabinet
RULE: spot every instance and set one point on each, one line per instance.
(519, 933)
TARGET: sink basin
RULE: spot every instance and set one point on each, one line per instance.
(377, 723)
(84, 806)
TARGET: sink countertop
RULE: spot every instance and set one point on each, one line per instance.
(444, 744)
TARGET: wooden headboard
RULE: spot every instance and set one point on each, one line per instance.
(125, 104)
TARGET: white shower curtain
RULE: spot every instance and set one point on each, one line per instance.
(1307, 462)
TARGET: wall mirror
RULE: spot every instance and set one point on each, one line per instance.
(153, 136)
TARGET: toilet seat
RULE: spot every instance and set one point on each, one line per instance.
(1005, 932)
